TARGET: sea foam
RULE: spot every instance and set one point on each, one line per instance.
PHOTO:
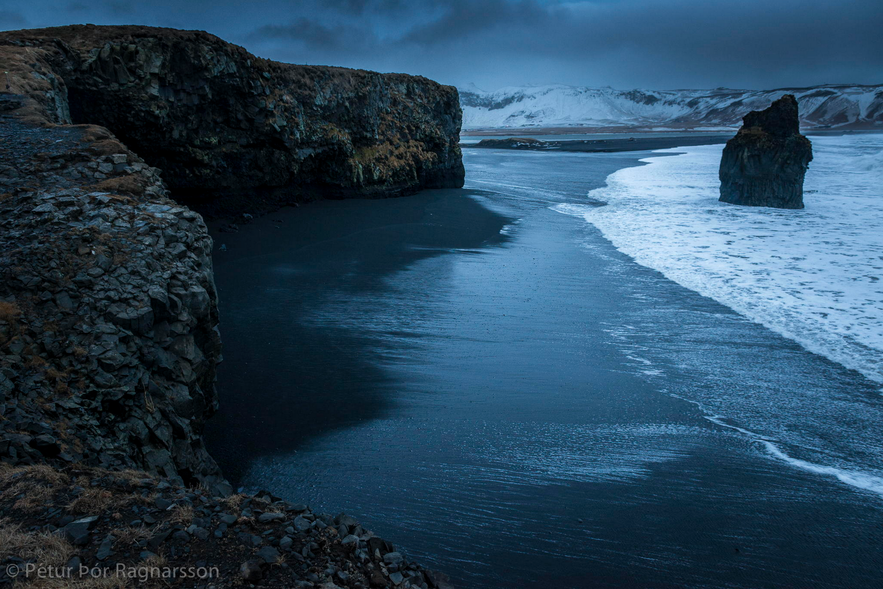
(813, 275)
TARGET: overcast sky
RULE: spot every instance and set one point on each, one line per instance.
(657, 44)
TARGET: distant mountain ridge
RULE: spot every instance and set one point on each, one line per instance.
(836, 106)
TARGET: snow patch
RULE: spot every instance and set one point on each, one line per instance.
(565, 106)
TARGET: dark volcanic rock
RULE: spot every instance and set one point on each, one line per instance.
(232, 131)
(109, 321)
(764, 164)
(42, 507)
(108, 310)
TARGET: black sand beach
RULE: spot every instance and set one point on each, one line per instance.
(492, 386)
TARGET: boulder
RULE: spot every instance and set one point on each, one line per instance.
(765, 163)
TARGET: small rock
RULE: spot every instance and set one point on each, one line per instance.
(181, 536)
(77, 532)
(251, 571)
(268, 554)
(201, 533)
(377, 579)
(228, 519)
(104, 550)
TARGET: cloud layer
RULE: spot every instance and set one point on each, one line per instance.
(493, 43)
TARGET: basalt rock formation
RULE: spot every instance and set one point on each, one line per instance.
(109, 334)
(765, 163)
(108, 309)
(231, 131)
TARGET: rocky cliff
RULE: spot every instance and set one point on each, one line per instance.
(232, 131)
(109, 321)
(765, 163)
(108, 312)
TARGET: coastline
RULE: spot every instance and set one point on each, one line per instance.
(109, 334)
(716, 249)
(647, 142)
(537, 420)
(154, 403)
(310, 379)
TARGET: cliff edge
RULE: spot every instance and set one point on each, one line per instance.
(108, 311)
(765, 163)
(109, 336)
(233, 132)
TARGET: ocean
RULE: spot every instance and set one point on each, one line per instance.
(637, 393)
(813, 276)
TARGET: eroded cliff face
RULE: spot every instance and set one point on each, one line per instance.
(765, 163)
(230, 130)
(108, 311)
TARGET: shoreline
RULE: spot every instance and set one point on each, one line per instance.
(295, 260)
(109, 331)
(491, 360)
(626, 130)
(621, 142)
(613, 145)
(817, 332)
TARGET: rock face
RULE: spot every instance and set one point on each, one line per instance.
(108, 311)
(765, 163)
(230, 130)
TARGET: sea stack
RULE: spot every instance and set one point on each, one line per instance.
(765, 163)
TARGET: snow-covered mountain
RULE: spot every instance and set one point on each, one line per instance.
(571, 106)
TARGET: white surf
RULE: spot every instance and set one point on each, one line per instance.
(814, 275)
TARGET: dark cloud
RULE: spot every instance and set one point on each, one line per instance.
(465, 20)
(622, 43)
(11, 20)
(119, 7)
(314, 35)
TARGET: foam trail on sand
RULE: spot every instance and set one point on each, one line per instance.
(814, 276)
(853, 478)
